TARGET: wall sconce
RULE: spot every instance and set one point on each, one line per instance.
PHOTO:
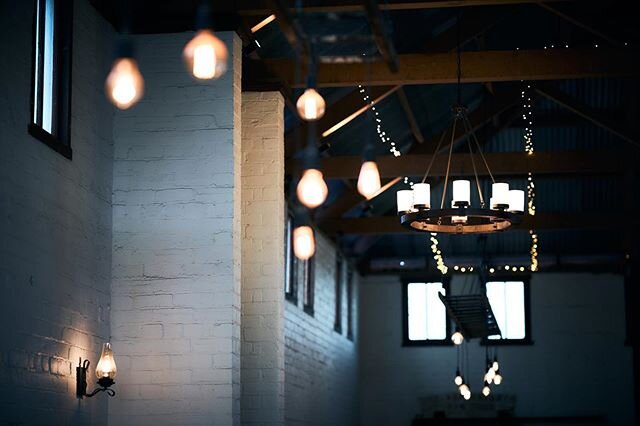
(105, 371)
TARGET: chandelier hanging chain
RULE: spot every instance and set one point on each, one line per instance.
(446, 176)
(480, 150)
(475, 173)
(433, 157)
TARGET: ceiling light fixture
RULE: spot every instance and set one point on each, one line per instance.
(124, 85)
(312, 190)
(311, 104)
(205, 54)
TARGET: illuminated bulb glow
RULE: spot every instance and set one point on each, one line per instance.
(457, 338)
(369, 179)
(467, 395)
(495, 365)
(106, 367)
(311, 105)
(206, 56)
(312, 189)
(497, 379)
(464, 389)
(486, 390)
(304, 243)
(458, 380)
(124, 85)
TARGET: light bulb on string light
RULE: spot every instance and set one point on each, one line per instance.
(205, 55)
(124, 85)
(312, 190)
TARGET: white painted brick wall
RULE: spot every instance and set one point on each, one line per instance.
(321, 370)
(263, 218)
(176, 250)
(55, 230)
(578, 364)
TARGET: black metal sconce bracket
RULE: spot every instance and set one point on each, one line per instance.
(81, 382)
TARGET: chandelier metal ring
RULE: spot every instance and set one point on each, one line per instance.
(478, 220)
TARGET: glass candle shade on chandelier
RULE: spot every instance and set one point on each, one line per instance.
(106, 371)
(505, 206)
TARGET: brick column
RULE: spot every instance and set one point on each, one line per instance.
(176, 247)
(263, 218)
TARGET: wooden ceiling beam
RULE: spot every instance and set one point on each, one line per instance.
(502, 164)
(477, 67)
(382, 225)
(349, 6)
(380, 35)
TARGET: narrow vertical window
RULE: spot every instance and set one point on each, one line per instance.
(425, 316)
(309, 284)
(51, 76)
(290, 287)
(337, 326)
(350, 304)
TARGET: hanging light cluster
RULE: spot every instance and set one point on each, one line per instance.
(205, 56)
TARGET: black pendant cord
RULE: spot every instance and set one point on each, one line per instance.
(433, 157)
(459, 25)
(475, 139)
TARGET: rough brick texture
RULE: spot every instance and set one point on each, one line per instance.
(176, 284)
(263, 218)
(55, 230)
(578, 359)
(320, 364)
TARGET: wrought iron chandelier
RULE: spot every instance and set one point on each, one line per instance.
(505, 207)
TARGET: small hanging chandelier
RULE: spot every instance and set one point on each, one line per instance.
(505, 207)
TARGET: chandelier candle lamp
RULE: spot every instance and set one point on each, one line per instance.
(505, 207)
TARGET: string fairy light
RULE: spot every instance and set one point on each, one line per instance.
(527, 136)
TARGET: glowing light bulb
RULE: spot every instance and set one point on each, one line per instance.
(206, 55)
(458, 380)
(486, 390)
(311, 105)
(312, 189)
(369, 179)
(495, 365)
(467, 395)
(124, 85)
(457, 338)
(464, 388)
(106, 367)
(304, 243)
(497, 379)
(491, 374)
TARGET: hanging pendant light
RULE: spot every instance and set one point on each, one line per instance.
(205, 54)
(457, 338)
(497, 379)
(124, 85)
(486, 390)
(304, 242)
(312, 190)
(369, 177)
(494, 365)
(458, 380)
(311, 104)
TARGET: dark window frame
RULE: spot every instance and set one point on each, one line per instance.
(349, 283)
(59, 139)
(406, 342)
(339, 284)
(291, 262)
(308, 285)
(528, 339)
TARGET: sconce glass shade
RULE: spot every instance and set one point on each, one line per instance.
(304, 243)
(106, 367)
(516, 201)
(461, 192)
(486, 390)
(500, 194)
(311, 105)
(404, 200)
(369, 179)
(124, 85)
(206, 55)
(457, 338)
(498, 378)
(312, 189)
(422, 195)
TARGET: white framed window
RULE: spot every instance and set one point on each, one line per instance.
(425, 316)
(510, 304)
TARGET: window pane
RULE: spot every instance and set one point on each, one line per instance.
(288, 285)
(507, 303)
(427, 315)
(47, 69)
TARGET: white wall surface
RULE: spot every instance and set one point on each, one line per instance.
(176, 249)
(578, 364)
(320, 364)
(55, 229)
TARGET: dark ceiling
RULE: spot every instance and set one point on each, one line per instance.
(581, 117)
